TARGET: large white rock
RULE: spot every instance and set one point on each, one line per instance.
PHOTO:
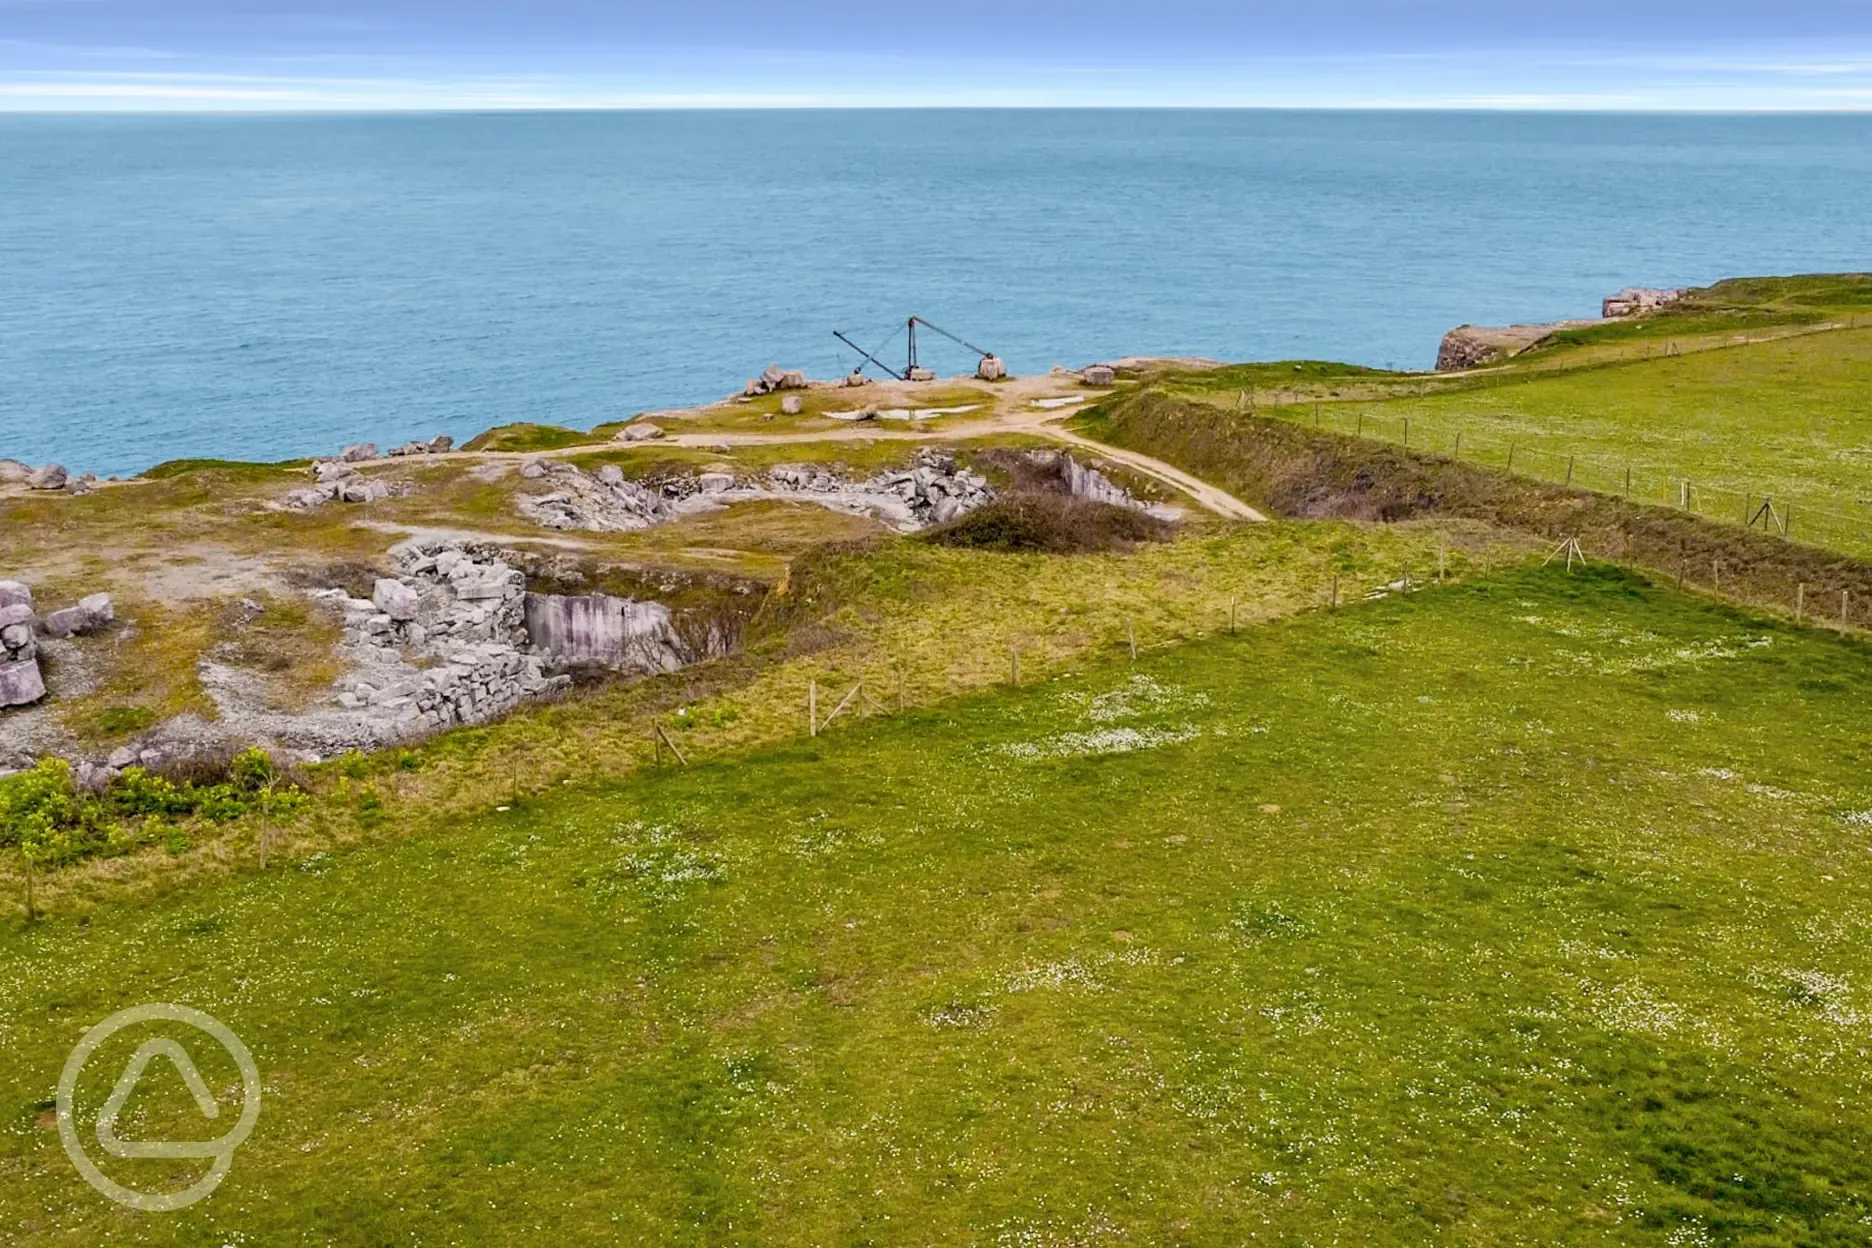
(50, 477)
(395, 599)
(13, 592)
(12, 472)
(21, 683)
(640, 431)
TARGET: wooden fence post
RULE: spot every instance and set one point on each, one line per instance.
(1014, 662)
(1511, 457)
(812, 708)
(1131, 637)
(1569, 471)
(1232, 603)
(1335, 590)
(1407, 433)
(1457, 455)
(1800, 601)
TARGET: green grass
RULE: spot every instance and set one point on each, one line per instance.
(1791, 419)
(1533, 911)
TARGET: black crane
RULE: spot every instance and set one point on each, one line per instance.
(910, 328)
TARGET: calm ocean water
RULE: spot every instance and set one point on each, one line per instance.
(262, 287)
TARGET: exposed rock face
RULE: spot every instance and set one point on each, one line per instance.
(1637, 300)
(1090, 484)
(932, 491)
(1472, 346)
(599, 628)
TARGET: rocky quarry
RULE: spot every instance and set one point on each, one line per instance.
(933, 490)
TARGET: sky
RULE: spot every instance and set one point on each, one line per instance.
(437, 54)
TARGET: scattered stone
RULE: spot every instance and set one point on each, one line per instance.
(12, 472)
(50, 477)
(439, 445)
(792, 405)
(772, 378)
(856, 378)
(534, 469)
(358, 452)
(715, 482)
(639, 431)
(122, 757)
(1637, 300)
(991, 368)
(1098, 375)
(922, 374)
(89, 615)
(13, 593)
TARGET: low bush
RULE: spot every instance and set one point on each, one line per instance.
(1051, 523)
(46, 814)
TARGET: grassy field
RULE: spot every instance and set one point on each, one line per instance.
(914, 621)
(1529, 911)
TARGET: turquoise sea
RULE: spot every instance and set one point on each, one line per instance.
(264, 287)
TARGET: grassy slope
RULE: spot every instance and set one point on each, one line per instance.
(1530, 912)
(1791, 418)
(1766, 394)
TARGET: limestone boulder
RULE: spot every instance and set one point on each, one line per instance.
(12, 472)
(20, 683)
(792, 405)
(991, 368)
(88, 615)
(1098, 375)
(14, 593)
(50, 477)
(395, 599)
(640, 431)
(358, 452)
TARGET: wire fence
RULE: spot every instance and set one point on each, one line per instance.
(1765, 511)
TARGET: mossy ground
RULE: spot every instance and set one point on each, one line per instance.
(1532, 910)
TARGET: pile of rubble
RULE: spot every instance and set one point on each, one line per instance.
(338, 480)
(455, 638)
(775, 378)
(21, 682)
(933, 491)
(48, 477)
(1637, 300)
(608, 502)
(465, 608)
